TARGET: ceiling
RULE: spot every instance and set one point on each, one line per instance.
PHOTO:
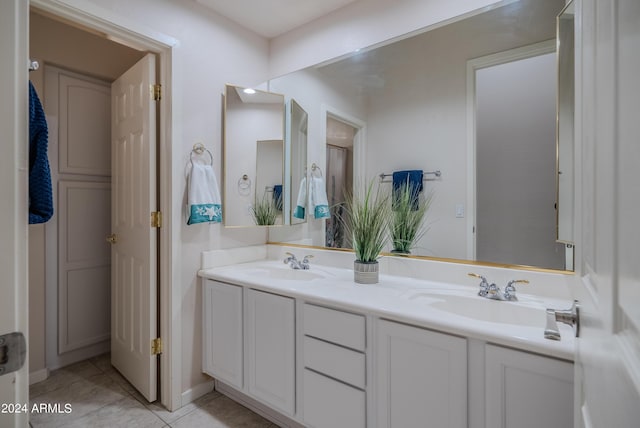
(270, 18)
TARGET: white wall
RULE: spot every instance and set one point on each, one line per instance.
(363, 24)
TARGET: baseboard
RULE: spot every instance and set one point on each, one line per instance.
(257, 407)
(38, 376)
(196, 392)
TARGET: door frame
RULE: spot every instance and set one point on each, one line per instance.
(14, 167)
(536, 49)
(140, 37)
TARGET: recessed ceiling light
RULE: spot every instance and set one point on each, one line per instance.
(249, 91)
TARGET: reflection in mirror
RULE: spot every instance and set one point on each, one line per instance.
(412, 96)
(565, 186)
(515, 157)
(339, 181)
(267, 207)
(298, 146)
(254, 129)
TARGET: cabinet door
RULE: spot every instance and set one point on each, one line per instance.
(222, 351)
(271, 349)
(421, 377)
(524, 390)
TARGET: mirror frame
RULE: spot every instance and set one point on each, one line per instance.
(565, 114)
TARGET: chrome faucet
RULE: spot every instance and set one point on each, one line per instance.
(492, 291)
(294, 263)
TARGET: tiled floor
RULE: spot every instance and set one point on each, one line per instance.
(100, 397)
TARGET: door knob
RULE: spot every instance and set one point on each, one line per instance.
(112, 239)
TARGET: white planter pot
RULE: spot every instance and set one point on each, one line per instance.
(365, 273)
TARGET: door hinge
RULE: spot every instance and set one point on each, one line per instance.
(156, 92)
(156, 219)
(156, 346)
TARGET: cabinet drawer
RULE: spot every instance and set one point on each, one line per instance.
(340, 363)
(335, 326)
(329, 404)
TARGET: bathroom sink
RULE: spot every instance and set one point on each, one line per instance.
(284, 273)
(478, 308)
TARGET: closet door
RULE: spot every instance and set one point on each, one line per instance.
(78, 110)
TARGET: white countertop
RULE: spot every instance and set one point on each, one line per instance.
(446, 307)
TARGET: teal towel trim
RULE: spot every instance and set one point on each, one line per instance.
(322, 211)
(205, 213)
(299, 212)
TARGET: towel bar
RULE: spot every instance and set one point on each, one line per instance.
(437, 173)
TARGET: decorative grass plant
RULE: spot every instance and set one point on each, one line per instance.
(368, 212)
(264, 211)
(407, 218)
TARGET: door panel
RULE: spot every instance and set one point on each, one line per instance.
(134, 254)
(84, 264)
(84, 144)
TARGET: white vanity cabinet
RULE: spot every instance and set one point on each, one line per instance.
(421, 377)
(334, 376)
(524, 390)
(222, 351)
(271, 349)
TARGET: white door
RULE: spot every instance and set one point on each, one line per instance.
(14, 386)
(78, 309)
(134, 305)
(608, 203)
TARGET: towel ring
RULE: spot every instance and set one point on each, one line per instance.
(315, 167)
(199, 149)
(244, 185)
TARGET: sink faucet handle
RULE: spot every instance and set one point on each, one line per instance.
(484, 284)
(510, 289)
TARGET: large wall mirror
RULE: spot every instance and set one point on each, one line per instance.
(410, 98)
(253, 157)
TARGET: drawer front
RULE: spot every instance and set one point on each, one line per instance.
(340, 363)
(335, 326)
(330, 404)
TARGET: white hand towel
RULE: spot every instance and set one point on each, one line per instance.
(318, 198)
(204, 195)
(302, 199)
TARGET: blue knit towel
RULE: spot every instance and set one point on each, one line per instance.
(277, 196)
(412, 178)
(40, 193)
